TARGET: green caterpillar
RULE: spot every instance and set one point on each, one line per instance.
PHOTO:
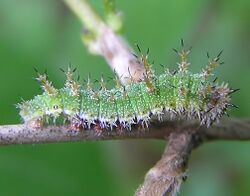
(170, 96)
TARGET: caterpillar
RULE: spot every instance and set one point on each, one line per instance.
(167, 96)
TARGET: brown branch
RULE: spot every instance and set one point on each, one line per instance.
(228, 129)
(166, 176)
(22, 134)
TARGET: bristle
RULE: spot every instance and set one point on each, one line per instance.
(89, 84)
(232, 105)
(102, 83)
(138, 47)
(136, 56)
(218, 56)
(117, 80)
(61, 69)
(182, 43)
(183, 54)
(148, 73)
(212, 64)
(36, 70)
(233, 90)
(46, 85)
(226, 114)
(208, 56)
(70, 83)
(174, 72)
(175, 50)
(131, 76)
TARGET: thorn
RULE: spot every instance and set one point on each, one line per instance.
(216, 59)
(218, 56)
(73, 70)
(35, 69)
(147, 51)
(61, 69)
(233, 91)
(209, 109)
(232, 105)
(222, 63)
(116, 92)
(174, 72)
(78, 78)
(208, 56)
(138, 47)
(176, 51)
(135, 55)
(182, 43)
(215, 79)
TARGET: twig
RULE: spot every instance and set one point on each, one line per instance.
(21, 134)
(228, 129)
(86, 14)
(106, 43)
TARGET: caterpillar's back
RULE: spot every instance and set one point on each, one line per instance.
(179, 95)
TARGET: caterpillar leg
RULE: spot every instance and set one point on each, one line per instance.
(35, 123)
(76, 124)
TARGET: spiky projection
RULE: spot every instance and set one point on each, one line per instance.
(168, 96)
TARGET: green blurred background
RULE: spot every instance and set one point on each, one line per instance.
(46, 35)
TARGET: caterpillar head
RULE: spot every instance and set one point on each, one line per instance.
(41, 108)
(54, 105)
